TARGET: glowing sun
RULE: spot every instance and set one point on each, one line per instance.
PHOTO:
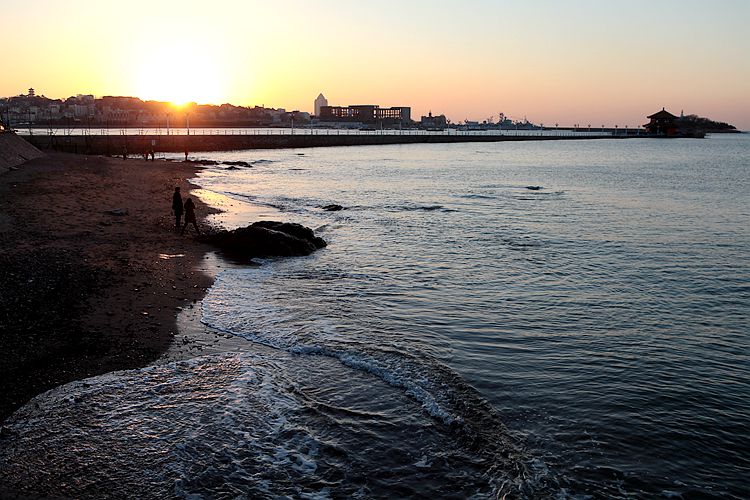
(180, 73)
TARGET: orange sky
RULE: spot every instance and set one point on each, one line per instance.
(579, 61)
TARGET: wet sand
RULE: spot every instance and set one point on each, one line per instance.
(84, 291)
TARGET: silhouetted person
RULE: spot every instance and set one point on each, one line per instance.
(190, 216)
(186, 154)
(177, 207)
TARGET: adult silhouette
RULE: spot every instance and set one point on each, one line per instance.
(177, 206)
(190, 216)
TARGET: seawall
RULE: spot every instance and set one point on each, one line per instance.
(14, 151)
(139, 144)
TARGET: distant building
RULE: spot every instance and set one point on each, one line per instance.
(395, 114)
(31, 92)
(366, 114)
(433, 122)
(662, 123)
(319, 103)
(665, 124)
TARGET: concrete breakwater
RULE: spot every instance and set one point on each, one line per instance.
(15, 151)
(141, 144)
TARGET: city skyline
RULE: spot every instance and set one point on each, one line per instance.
(578, 62)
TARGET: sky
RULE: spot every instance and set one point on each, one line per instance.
(568, 61)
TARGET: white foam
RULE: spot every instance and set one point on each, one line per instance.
(397, 376)
(423, 462)
(214, 410)
(238, 304)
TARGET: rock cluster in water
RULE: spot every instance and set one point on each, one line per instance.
(267, 239)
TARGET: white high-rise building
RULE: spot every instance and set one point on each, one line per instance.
(319, 103)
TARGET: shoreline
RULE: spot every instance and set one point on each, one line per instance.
(192, 337)
(86, 291)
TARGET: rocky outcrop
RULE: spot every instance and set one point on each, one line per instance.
(332, 208)
(266, 239)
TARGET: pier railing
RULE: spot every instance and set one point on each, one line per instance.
(163, 132)
(108, 141)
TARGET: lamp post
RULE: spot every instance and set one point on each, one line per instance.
(187, 139)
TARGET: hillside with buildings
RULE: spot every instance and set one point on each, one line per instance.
(31, 110)
(82, 111)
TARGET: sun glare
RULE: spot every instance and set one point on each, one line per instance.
(180, 74)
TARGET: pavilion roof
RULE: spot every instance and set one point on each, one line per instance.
(662, 114)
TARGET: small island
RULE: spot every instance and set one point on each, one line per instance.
(707, 125)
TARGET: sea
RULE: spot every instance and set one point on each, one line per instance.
(553, 319)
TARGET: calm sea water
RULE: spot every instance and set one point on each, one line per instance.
(461, 336)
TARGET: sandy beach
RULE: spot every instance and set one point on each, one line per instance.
(85, 290)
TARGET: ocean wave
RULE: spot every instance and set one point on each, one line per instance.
(396, 374)
(414, 208)
(247, 425)
(441, 393)
(530, 195)
(475, 196)
(241, 196)
(272, 326)
(522, 243)
(281, 206)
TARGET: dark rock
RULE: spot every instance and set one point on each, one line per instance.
(202, 162)
(237, 163)
(118, 212)
(333, 208)
(267, 239)
(534, 188)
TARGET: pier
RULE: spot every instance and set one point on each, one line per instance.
(137, 141)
